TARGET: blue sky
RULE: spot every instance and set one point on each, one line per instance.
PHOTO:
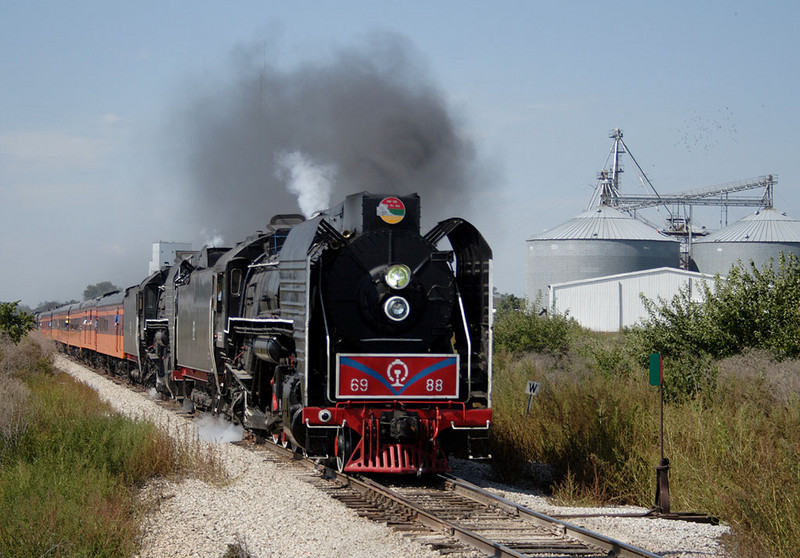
(94, 167)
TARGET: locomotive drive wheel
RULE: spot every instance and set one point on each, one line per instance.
(344, 448)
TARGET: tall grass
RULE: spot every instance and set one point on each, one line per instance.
(734, 451)
(69, 476)
(739, 456)
(594, 431)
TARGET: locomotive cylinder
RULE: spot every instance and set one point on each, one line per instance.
(271, 349)
(162, 338)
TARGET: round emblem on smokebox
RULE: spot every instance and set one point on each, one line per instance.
(391, 210)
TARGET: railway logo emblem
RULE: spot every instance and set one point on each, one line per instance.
(391, 210)
(397, 372)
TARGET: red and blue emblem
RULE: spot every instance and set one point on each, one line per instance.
(360, 376)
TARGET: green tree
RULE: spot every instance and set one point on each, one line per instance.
(751, 308)
(99, 289)
(524, 330)
(15, 323)
(510, 303)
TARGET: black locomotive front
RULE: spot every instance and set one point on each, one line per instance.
(395, 360)
(388, 290)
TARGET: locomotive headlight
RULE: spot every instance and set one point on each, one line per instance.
(398, 277)
(396, 308)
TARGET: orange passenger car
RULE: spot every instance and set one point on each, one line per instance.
(92, 329)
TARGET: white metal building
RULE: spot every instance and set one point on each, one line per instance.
(612, 302)
(166, 253)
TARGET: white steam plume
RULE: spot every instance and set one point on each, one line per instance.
(212, 239)
(311, 182)
(218, 430)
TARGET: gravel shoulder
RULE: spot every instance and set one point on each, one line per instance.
(272, 512)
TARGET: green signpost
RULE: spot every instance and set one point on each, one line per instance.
(656, 370)
(662, 470)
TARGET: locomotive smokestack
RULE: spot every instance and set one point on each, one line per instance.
(369, 112)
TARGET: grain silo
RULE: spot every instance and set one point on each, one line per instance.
(601, 241)
(757, 238)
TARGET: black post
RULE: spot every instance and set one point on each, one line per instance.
(662, 486)
(662, 418)
(662, 470)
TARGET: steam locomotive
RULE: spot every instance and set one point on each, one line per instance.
(349, 336)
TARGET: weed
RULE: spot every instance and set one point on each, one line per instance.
(69, 479)
(33, 355)
(15, 413)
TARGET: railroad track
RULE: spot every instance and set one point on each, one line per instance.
(457, 518)
(444, 512)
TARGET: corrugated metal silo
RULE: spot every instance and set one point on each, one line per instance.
(602, 241)
(757, 238)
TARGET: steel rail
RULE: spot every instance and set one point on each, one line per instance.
(607, 545)
(611, 546)
(435, 523)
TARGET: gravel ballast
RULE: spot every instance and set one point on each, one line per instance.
(267, 509)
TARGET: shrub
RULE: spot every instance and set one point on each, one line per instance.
(15, 323)
(34, 355)
(731, 413)
(606, 354)
(594, 431)
(524, 330)
(17, 361)
(688, 377)
(751, 308)
(731, 427)
(736, 455)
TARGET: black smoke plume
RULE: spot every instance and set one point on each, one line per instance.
(368, 118)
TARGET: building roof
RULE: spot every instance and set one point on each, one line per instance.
(765, 225)
(654, 272)
(602, 223)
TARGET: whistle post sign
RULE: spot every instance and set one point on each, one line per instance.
(656, 370)
(532, 388)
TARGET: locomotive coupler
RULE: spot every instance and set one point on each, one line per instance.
(399, 426)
